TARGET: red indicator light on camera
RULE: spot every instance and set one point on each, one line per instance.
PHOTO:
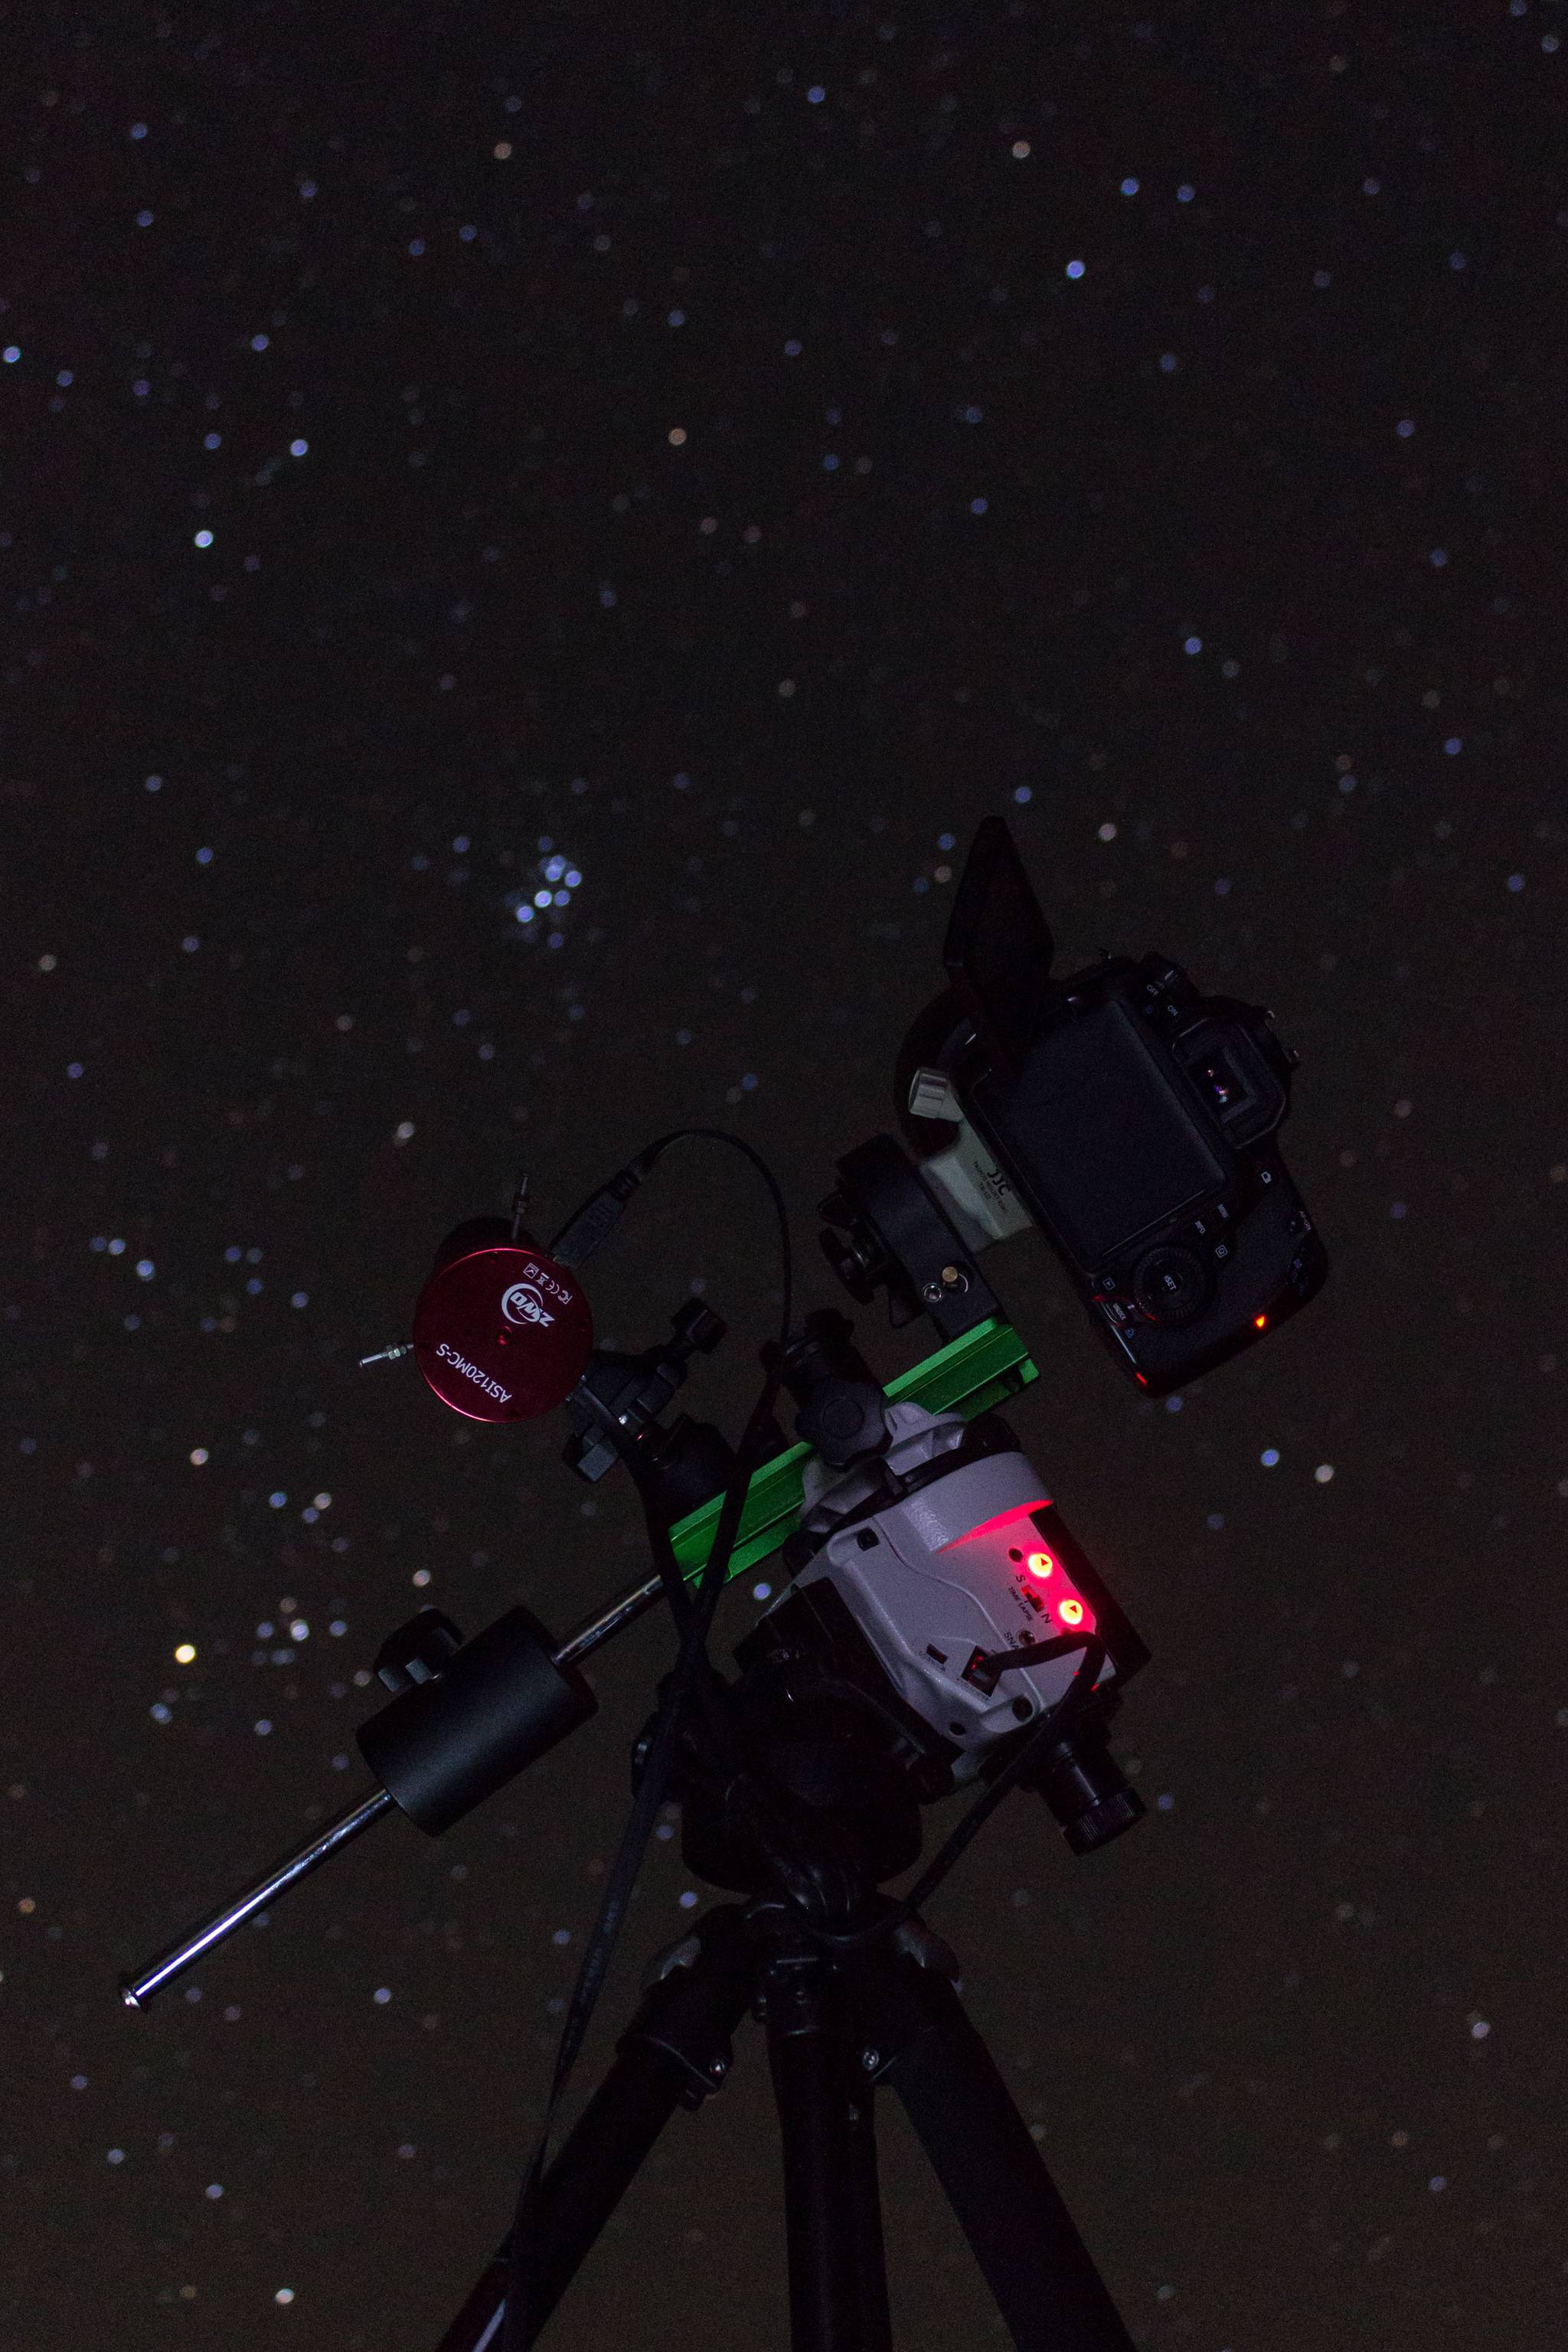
(1040, 1563)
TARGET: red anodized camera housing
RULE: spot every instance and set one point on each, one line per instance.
(501, 1333)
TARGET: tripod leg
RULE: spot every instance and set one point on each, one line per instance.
(675, 2052)
(870, 2260)
(837, 2286)
(1037, 2267)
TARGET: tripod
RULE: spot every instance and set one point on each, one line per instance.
(836, 2030)
(843, 2013)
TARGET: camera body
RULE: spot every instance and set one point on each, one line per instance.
(1133, 1119)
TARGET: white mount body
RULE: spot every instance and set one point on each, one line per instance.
(967, 1563)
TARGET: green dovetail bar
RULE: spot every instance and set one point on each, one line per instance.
(970, 1376)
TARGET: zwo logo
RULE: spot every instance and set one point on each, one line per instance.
(523, 1304)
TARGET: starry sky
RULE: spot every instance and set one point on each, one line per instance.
(530, 541)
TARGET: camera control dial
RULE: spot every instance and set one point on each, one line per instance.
(1171, 1285)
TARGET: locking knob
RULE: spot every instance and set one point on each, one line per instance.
(417, 1651)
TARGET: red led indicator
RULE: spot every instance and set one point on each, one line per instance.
(1260, 1322)
(1040, 1563)
(1071, 1611)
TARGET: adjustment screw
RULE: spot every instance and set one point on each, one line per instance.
(871, 2059)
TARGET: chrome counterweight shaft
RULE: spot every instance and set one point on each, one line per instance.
(137, 1990)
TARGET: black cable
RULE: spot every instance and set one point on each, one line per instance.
(986, 1668)
(582, 1234)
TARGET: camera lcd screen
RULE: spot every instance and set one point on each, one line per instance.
(1095, 1134)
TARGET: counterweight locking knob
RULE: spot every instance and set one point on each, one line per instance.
(417, 1651)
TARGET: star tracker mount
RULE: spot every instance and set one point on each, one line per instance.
(940, 1629)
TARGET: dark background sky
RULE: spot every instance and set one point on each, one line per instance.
(1229, 570)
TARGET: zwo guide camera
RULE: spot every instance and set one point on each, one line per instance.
(940, 1634)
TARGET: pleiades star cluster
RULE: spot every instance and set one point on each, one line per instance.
(530, 541)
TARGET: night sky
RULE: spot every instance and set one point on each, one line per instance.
(452, 457)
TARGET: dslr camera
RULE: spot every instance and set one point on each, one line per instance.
(1132, 1119)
